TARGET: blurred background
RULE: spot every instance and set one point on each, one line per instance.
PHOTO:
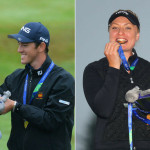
(91, 36)
(58, 16)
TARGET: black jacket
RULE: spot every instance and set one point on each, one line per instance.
(50, 120)
(105, 88)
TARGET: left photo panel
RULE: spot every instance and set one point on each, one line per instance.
(37, 77)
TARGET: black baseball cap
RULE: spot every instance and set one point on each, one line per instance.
(125, 13)
(32, 32)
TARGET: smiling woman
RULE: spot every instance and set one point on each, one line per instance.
(121, 29)
(107, 81)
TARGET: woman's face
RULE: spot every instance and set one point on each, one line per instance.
(122, 29)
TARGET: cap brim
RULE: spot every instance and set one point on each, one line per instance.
(20, 38)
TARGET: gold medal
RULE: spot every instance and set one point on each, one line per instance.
(26, 124)
(148, 116)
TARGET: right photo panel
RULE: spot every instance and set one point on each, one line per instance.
(112, 75)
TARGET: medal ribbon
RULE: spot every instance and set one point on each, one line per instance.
(130, 124)
(36, 88)
(38, 85)
(124, 61)
(143, 111)
(147, 121)
(130, 107)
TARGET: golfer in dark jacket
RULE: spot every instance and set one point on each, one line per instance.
(107, 81)
(42, 101)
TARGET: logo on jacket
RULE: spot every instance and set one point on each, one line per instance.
(39, 72)
(40, 95)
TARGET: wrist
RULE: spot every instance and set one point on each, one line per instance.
(14, 106)
(17, 107)
(114, 66)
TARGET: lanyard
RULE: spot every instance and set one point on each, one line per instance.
(123, 58)
(147, 121)
(124, 61)
(143, 111)
(49, 69)
(130, 125)
(130, 107)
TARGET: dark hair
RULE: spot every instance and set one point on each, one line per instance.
(37, 45)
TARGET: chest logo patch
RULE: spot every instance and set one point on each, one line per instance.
(64, 102)
(40, 95)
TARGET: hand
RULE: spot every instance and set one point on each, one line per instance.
(9, 104)
(112, 55)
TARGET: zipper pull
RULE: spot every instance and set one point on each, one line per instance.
(131, 79)
(31, 75)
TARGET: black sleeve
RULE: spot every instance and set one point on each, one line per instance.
(7, 85)
(58, 110)
(101, 92)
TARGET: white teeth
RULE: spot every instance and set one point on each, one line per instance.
(121, 41)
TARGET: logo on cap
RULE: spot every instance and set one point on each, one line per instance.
(26, 29)
(122, 12)
(19, 39)
(44, 40)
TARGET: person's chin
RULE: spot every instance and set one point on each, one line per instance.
(126, 50)
(23, 62)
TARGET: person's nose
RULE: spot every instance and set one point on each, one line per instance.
(121, 31)
(20, 49)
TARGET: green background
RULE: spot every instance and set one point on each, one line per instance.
(58, 17)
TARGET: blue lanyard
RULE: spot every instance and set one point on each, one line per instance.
(147, 121)
(130, 107)
(124, 61)
(49, 69)
(130, 125)
(123, 58)
(145, 96)
(143, 111)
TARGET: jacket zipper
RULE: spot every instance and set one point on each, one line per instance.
(29, 87)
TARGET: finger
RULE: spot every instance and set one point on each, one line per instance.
(106, 51)
(114, 49)
(111, 48)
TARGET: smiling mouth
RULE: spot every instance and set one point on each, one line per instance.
(23, 55)
(121, 41)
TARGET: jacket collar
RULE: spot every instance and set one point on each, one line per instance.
(38, 72)
(133, 57)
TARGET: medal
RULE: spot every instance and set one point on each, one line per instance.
(148, 116)
(26, 124)
(148, 126)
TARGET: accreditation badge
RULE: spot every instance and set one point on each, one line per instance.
(26, 124)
